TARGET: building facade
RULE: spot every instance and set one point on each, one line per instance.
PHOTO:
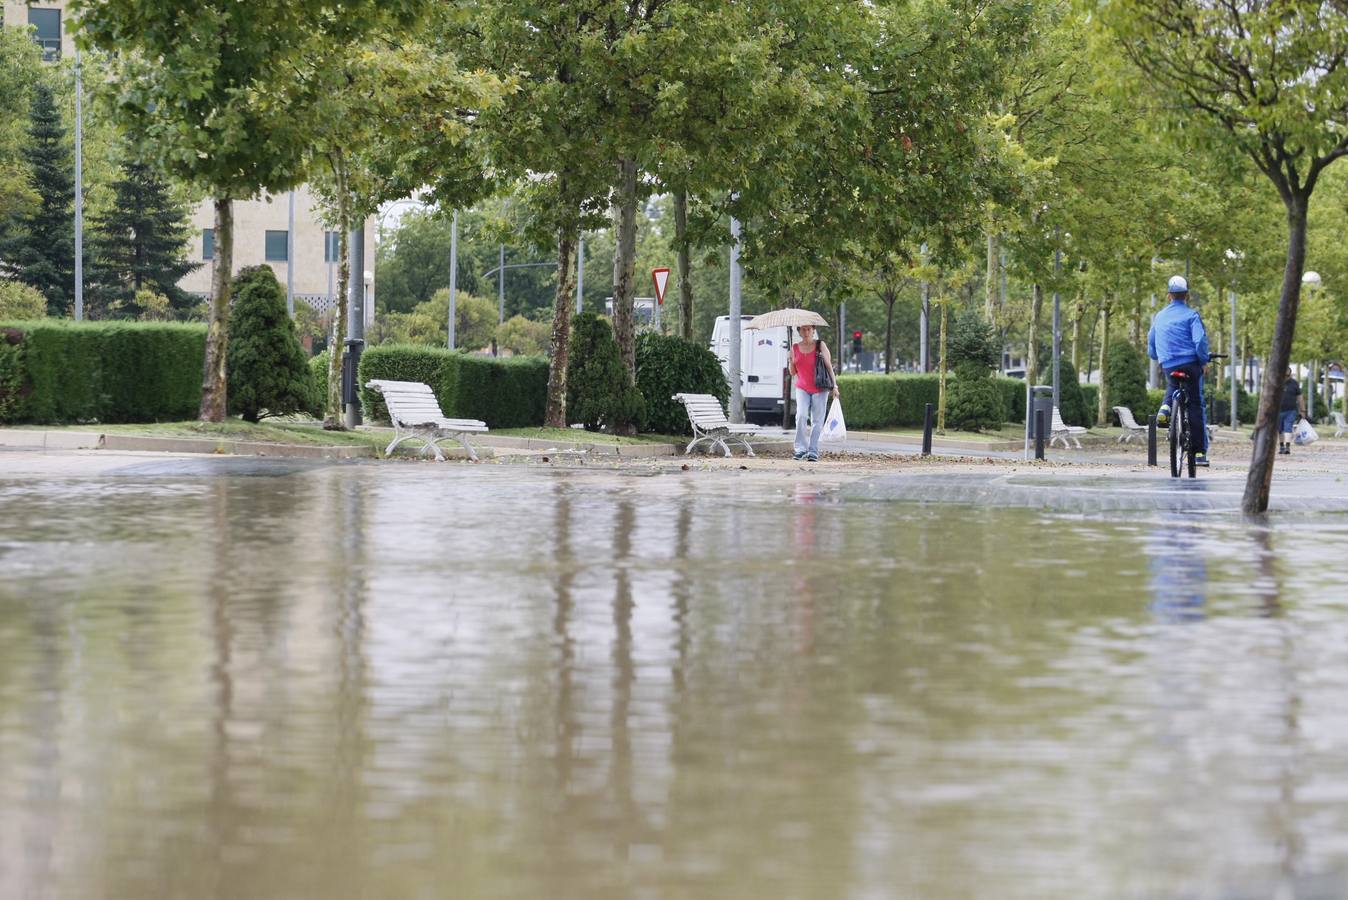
(261, 226)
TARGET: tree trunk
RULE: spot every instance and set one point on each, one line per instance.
(1032, 348)
(555, 417)
(990, 289)
(1260, 477)
(889, 296)
(940, 398)
(624, 264)
(333, 421)
(1102, 408)
(215, 376)
(685, 265)
(1076, 338)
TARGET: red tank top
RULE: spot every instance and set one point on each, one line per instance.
(805, 367)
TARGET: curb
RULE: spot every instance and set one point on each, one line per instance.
(507, 442)
(238, 448)
(937, 443)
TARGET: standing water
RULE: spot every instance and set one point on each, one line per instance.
(419, 681)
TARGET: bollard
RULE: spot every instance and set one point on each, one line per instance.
(1040, 426)
(926, 430)
(1151, 440)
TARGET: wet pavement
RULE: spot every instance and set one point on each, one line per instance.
(228, 677)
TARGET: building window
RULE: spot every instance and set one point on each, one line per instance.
(331, 249)
(276, 246)
(208, 243)
(48, 24)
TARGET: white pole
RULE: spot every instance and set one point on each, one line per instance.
(79, 191)
(1231, 358)
(923, 326)
(453, 276)
(500, 287)
(580, 276)
(290, 258)
(736, 394)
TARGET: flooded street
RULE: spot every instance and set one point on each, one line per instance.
(292, 680)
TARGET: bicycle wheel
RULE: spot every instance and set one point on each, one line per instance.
(1176, 451)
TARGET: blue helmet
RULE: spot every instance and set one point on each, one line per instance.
(1178, 285)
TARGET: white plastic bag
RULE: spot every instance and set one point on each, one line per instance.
(835, 428)
(1304, 434)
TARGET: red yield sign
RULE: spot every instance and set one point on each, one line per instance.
(661, 278)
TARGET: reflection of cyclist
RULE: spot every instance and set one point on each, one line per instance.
(1179, 342)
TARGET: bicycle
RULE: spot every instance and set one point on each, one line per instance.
(1183, 447)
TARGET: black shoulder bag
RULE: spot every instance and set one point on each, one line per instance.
(823, 378)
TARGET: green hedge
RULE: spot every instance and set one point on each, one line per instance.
(101, 371)
(668, 365)
(899, 401)
(504, 393)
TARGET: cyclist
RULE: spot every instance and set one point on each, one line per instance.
(1179, 342)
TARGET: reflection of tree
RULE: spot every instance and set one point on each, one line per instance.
(623, 673)
(564, 755)
(1291, 845)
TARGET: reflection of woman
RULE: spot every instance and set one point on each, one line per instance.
(1179, 574)
(810, 399)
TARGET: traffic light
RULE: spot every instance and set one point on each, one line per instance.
(856, 342)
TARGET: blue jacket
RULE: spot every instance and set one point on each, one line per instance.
(1177, 337)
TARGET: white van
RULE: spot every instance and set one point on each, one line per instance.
(763, 356)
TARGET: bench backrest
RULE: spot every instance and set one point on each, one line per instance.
(704, 410)
(1338, 419)
(1058, 423)
(1126, 417)
(409, 402)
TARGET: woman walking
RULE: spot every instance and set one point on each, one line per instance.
(811, 400)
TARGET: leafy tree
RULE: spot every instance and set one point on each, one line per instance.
(20, 302)
(522, 337)
(1267, 80)
(21, 69)
(268, 369)
(600, 394)
(199, 84)
(428, 323)
(39, 247)
(140, 242)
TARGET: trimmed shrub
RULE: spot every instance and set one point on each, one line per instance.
(318, 380)
(975, 404)
(12, 375)
(1073, 403)
(104, 371)
(1126, 375)
(972, 345)
(599, 393)
(1013, 398)
(504, 393)
(1090, 401)
(668, 365)
(268, 375)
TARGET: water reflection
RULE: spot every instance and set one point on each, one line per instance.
(421, 681)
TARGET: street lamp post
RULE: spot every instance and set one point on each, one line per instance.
(79, 190)
(453, 277)
(733, 361)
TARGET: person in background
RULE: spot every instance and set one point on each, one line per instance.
(1179, 342)
(811, 401)
(1293, 405)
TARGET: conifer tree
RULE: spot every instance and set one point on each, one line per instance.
(140, 242)
(38, 247)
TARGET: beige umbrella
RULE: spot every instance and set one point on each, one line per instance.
(793, 318)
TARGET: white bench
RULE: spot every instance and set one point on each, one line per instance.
(1061, 431)
(1130, 427)
(415, 413)
(1340, 426)
(710, 424)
